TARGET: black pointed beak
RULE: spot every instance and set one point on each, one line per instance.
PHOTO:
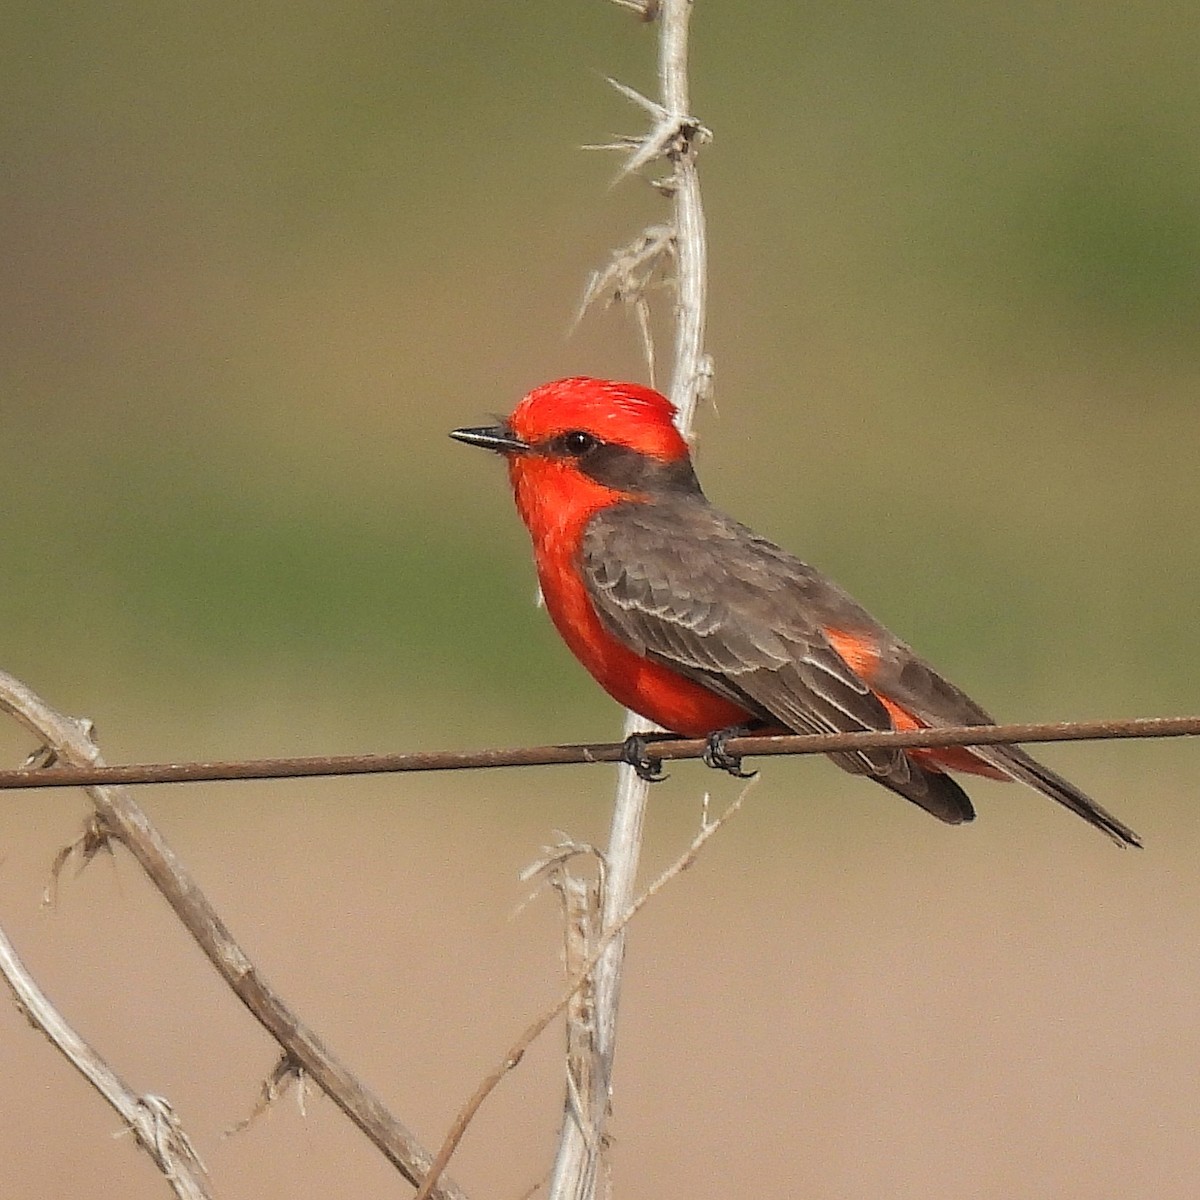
(491, 437)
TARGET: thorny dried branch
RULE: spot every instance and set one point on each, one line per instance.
(71, 742)
(631, 272)
(675, 136)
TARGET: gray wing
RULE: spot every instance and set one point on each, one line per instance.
(687, 586)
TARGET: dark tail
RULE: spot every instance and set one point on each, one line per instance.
(934, 791)
(940, 796)
(1018, 765)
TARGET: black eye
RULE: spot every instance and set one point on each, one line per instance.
(578, 442)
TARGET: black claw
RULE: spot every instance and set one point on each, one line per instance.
(634, 753)
(716, 756)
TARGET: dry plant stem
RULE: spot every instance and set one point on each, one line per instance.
(151, 1118)
(72, 744)
(607, 939)
(583, 1131)
(690, 376)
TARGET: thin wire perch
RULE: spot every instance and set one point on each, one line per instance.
(669, 749)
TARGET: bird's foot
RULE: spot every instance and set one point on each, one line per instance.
(635, 754)
(716, 756)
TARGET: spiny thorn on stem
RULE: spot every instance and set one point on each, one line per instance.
(656, 110)
(672, 137)
(648, 10)
(633, 269)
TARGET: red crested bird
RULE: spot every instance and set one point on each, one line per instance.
(706, 628)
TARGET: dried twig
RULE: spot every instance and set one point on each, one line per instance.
(150, 1118)
(646, 9)
(286, 1074)
(577, 982)
(72, 745)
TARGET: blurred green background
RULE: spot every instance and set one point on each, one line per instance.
(258, 259)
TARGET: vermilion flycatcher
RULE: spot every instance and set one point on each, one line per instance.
(706, 628)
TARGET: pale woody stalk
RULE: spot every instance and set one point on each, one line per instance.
(674, 137)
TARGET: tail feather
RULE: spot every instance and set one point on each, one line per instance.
(938, 794)
(1018, 765)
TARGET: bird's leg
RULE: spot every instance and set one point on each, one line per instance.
(634, 753)
(715, 754)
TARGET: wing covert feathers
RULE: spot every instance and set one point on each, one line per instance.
(685, 585)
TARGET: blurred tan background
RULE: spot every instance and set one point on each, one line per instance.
(258, 259)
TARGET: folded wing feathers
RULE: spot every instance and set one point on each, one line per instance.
(728, 604)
